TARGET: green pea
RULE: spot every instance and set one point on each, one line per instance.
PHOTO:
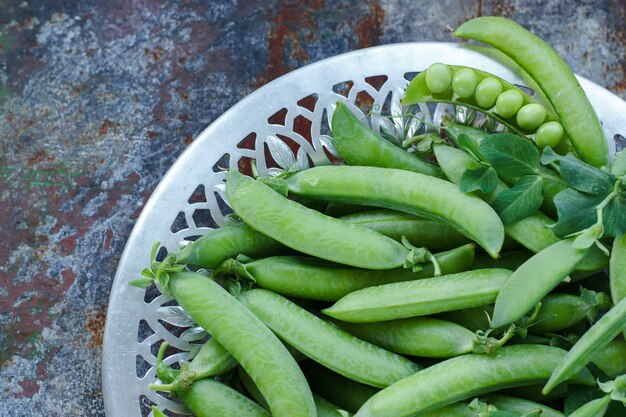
(438, 78)
(549, 134)
(487, 92)
(464, 82)
(531, 116)
(508, 103)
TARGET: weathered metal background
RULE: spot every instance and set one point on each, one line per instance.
(98, 98)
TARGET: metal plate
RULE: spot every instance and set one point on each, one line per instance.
(294, 110)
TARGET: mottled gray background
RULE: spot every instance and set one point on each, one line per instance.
(98, 98)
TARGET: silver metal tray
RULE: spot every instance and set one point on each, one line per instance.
(277, 125)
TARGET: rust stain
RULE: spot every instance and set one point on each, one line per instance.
(370, 27)
(284, 43)
(479, 8)
(504, 8)
(104, 127)
(95, 324)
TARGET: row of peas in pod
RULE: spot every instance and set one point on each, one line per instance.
(495, 96)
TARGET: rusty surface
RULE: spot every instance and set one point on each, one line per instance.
(98, 98)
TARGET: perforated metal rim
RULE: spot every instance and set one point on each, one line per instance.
(122, 387)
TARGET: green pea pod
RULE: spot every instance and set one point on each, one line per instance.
(594, 408)
(597, 337)
(212, 359)
(404, 191)
(532, 232)
(452, 410)
(210, 398)
(431, 234)
(518, 405)
(314, 279)
(464, 377)
(416, 336)
(345, 393)
(359, 145)
(553, 76)
(560, 311)
(534, 279)
(421, 297)
(617, 270)
(418, 92)
(533, 393)
(309, 231)
(254, 346)
(612, 358)
(217, 245)
(252, 389)
(325, 343)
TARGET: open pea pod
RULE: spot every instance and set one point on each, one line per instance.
(552, 74)
(419, 92)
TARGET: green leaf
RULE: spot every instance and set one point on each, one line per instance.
(141, 282)
(484, 179)
(520, 201)
(614, 216)
(579, 175)
(588, 237)
(576, 211)
(511, 155)
(470, 146)
(156, 412)
(619, 166)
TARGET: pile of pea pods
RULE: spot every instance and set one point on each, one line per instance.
(377, 288)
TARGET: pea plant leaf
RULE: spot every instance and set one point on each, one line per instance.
(576, 211)
(520, 201)
(469, 146)
(511, 155)
(483, 178)
(619, 166)
(579, 175)
(614, 216)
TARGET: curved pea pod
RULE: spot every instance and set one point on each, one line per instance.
(596, 338)
(359, 145)
(404, 191)
(532, 232)
(594, 408)
(464, 377)
(534, 280)
(314, 279)
(553, 76)
(309, 231)
(421, 297)
(611, 359)
(520, 406)
(217, 245)
(210, 398)
(430, 234)
(254, 346)
(617, 270)
(325, 343)
(345, 393)
(416, 336)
